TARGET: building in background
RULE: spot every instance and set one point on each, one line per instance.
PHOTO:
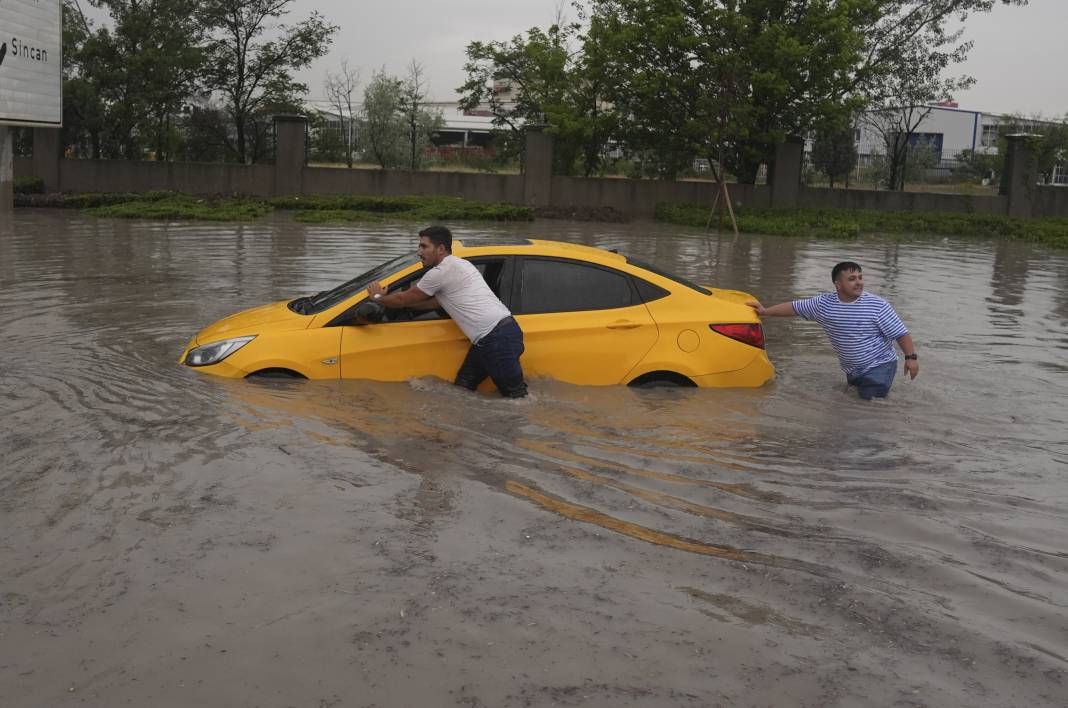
(948, 131)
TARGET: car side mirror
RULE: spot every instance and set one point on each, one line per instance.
(368, 312)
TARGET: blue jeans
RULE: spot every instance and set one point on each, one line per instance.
(876, 381)
(496, 355)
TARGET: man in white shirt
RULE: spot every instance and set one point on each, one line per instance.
(456, 286)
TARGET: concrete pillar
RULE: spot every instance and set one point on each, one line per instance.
(785, 177)
(47, 153)
(289, 154)
(1020, 174)
(7, 172)
(538, 167)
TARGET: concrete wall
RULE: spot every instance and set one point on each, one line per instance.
(1051, 201)
(197, 178)
(391, 183)
(639, 197)
(635, 198)
(824, 198)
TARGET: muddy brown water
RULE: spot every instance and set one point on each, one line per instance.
(170, 539)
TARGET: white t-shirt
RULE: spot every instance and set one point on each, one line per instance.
(462, 292)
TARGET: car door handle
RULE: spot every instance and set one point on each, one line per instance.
(624, 324)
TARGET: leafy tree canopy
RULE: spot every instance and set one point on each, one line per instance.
(251, 57)
(541, 79)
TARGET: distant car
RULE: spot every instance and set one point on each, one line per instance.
(589, 316)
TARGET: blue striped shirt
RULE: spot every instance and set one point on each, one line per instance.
(862, 332)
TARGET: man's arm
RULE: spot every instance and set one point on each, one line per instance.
(783, 309)
(431, 303)
(912, 366)
(413, 298)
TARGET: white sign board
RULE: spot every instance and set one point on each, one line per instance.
(31, 62)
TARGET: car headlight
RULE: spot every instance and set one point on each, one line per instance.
(216, 351)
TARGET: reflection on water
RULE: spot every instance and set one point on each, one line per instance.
(928, 525)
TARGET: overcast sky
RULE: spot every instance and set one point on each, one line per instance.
(1020, 58)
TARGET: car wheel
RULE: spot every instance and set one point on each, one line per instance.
(662, 379)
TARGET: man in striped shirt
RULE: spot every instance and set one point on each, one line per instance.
(861, 327)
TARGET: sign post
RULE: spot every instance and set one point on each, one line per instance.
(31, 76)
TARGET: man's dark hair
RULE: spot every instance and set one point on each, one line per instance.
(844, 267)
(439, 236)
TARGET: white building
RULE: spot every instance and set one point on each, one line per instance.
(949, 130)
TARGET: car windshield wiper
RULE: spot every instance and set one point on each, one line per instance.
(303, 305)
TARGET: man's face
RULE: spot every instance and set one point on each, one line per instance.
(850, 285)
(430, 254)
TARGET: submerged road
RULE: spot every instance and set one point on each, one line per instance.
(171, 539)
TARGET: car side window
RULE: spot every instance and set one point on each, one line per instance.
(491, 270)
(550, 285)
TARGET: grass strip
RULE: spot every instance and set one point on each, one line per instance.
(324, 209)
(309, 209)
(177, 207)
(849, 223)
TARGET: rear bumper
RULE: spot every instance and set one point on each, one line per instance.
(757, 373)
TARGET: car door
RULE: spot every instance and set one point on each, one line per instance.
(412, 344)
(582, 323)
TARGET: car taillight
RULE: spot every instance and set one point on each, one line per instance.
(751, 334)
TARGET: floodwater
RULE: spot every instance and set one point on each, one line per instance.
(170, 539)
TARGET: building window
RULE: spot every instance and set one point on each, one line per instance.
(1060, 175)
(990, 136)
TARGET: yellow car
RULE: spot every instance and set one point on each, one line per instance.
(589, 316)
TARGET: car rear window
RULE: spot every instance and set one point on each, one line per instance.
(550, 285)
(670, 276)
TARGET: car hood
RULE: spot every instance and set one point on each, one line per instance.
(274, 317)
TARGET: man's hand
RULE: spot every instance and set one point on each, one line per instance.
(912, 368)
(757, 306)
(375, 288)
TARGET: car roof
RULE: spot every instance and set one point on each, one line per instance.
(470, 247)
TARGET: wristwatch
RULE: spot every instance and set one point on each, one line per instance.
(914, 357)
(378, 296)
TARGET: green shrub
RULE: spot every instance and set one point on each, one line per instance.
(354, 208)
(29, 185)
(846, 223)
(345, 201)
(184, 207)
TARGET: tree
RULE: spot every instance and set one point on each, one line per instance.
(540, 79)
(419, 123)
(908, 49)
(207, 134)
(726, 79)
(327, 143)
(834, 153)
(979, 166)
(340, 92)
(895, 127)
(911, 36)
(381, 106)
(1050, 149)
(695, 78)
(252, 73)
(83, 108)
(123, 82)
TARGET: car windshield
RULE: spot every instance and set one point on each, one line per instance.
(669, 276)
(313, 304)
